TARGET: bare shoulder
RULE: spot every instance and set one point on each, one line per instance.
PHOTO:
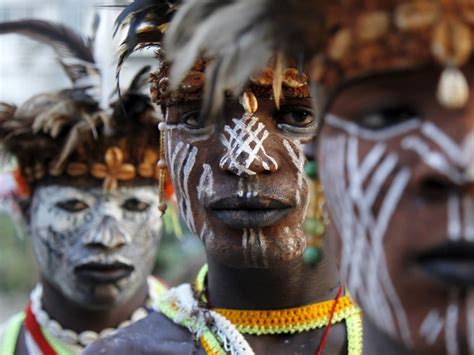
(155, 335)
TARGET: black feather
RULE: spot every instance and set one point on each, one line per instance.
(73, 51)
(143, 21)
(140, 80)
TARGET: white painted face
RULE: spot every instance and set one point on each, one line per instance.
(96, 247)
(399, 186)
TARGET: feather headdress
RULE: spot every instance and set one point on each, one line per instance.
(74, 132)
(146, 22)
(337, 40)
(74, 52)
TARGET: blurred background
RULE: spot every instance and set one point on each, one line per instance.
(28, 68)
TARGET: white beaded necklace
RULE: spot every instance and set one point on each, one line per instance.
(70, 337)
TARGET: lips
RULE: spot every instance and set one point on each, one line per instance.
(242, 213)
(451, 263)
(103, 273)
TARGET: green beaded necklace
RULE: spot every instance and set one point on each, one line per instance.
(315, 224)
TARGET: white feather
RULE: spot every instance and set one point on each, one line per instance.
(105, 49)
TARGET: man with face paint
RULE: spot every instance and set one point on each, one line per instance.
(241, 188)
(93, 209)
(394, 81)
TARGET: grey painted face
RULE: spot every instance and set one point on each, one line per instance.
(96, 247)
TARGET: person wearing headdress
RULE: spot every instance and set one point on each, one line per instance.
(89, 184)
(394, 86)
(271, 285)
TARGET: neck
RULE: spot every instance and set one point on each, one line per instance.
(72, 316)
(377, 342)
(292, 285)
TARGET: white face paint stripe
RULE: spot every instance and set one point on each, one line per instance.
(450, 148)
(332, 158)
(298, 159)
(370, 162)
(241, 189)
(452, 319)
(254, 248)
(468, 204)
(204, 233)
(183, 161)
(245, 246)
(433, 159)
(470, 320)
(188, 167)
(379, 178)
(198, 135)
(174, 156)
(263, 247)
(381, 135)
(454, 217)
(431, 327)
(468, 153)
(388, 209)
(206, 183)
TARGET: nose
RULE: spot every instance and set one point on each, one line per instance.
(244, 148)
(109, 234)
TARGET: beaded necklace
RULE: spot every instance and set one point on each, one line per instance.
(220, 330)
(46, 336)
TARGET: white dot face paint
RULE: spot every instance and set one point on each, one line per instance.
(96, 247)
(221, 172)
(377, 184)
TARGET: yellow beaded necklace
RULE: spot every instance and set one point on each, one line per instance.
(293, 320)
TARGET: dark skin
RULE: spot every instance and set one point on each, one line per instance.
(277, 279)
(423, 280)
(99, 315)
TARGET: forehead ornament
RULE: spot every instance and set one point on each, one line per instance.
(77, 132)
(114, 169)
(341, 41)
(249, 102)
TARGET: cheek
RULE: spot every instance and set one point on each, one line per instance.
(49, 218)
(143, 226)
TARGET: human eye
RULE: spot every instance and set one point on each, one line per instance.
(295, 119)
(386, 116)
(72, 205)
(192, 120)
(135, 205)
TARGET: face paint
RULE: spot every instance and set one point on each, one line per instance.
(96, 247)
(236, 186)
(244, 146)
(389, 215)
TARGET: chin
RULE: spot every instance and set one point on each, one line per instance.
(101, 297)
(268, 248)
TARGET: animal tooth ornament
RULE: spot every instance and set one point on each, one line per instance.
(241, 188)
(393, 83)
(88, 176)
